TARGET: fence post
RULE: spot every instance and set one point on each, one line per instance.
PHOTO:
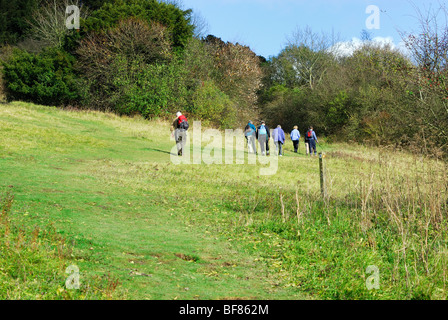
(323, 182)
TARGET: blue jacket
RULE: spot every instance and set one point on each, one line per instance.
(252, 131)
(313, 136)
(295, 135)
(267, 131)
(279, 135)
(252, 126)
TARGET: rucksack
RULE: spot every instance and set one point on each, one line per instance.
(309, 134)
(183, 123)
(262, 130)
(248, 131)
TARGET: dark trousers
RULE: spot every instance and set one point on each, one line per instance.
(312, 144)
(296, 145)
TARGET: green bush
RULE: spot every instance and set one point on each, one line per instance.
(148, 89)
(46, 78)
(13, 19)
(210, 103)
(177, 21)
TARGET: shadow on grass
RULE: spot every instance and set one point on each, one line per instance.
(161, 151)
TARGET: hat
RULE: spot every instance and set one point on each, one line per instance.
(178, 114)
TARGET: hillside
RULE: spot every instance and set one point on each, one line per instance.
(140, 227)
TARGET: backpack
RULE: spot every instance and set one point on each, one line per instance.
(309, 134)
(262, 130)
(248, 131)
(183, 123)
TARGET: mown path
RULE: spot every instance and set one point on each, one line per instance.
(101, 180)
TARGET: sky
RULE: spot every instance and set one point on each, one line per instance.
(266, 25)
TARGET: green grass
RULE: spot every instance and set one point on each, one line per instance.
(107, 185)
(140, 227)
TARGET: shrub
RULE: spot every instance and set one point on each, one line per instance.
(47, 78)
(176, 21)
(210, 103)
(149, 90)
(131, 69)
(237, 72)
(13, 16)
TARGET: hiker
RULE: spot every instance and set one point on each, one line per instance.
(249, 133)
(307, 142)
(312, 140)
(180, 127)
(295, 137)
(278, 136)
(263, 136)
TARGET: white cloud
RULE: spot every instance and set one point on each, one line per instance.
(343, 49)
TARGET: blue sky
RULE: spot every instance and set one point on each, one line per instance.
(265, 25)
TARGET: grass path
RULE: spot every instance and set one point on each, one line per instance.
(100, 179)
(219, 231)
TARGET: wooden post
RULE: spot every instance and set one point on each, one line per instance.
(323, 182)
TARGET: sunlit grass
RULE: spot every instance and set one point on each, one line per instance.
(108, 183)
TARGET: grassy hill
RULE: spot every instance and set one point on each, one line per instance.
(100, 192)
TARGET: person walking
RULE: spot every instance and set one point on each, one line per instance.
(250, 132)
(312, 140)
(278, 136)
(307, 142)
(295, 137)
(263, 136)
(179, 131)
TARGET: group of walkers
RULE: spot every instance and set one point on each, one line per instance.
(263, 135)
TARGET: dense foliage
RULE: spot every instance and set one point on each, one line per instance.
(13, 19)
(177, 21)
(133, 57)
(375, 94)
(141, 56)
(46, 78)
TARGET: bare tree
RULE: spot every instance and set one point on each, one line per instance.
(428, 48)
(48, 24)
(306, 58)
(201, 26)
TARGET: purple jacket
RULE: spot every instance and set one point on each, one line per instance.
(279, 135)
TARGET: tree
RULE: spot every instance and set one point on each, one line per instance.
(94, 4)
(107, 60)
(13, 19)
(237, 72)
(305, 59)
(428, 81)
(46, 78)
(177, 21)
(48, 23)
